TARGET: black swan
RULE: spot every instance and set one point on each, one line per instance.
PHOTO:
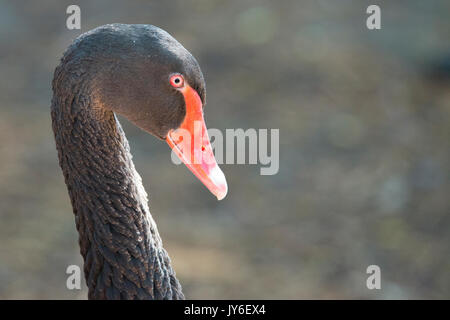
(144, 74)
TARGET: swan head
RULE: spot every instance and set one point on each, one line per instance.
(142, 73)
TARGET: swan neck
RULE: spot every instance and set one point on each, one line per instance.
(119, 241)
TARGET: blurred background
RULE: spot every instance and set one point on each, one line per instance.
(364, 119)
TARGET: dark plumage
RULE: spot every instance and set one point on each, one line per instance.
(123, 69)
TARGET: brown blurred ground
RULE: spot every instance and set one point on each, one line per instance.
(364, 156)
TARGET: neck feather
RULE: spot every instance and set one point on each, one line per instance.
(119, 241)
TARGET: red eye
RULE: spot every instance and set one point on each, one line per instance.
(177, 81)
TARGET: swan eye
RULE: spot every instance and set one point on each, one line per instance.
(177, 81)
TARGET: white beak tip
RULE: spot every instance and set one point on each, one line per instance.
(221, 195)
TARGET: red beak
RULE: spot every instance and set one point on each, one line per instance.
(191, 144)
